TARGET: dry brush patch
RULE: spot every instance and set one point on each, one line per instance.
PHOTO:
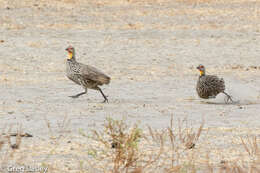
(10, 144)
(123, 148)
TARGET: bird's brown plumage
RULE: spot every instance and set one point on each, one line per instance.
(85, 75)
(94, 74)
(209, 86)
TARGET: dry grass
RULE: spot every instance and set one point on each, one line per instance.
(121, 147)
(129, 149)
(9, 145)
(250, 145)
(121, 152)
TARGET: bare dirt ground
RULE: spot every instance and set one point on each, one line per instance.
(149, 48)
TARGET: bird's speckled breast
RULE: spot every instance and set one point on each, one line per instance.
(72, 71)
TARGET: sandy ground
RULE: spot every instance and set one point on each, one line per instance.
(149, 48)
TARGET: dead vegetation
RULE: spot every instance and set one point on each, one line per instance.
(120, 147)
(9, 144)
(123, 148)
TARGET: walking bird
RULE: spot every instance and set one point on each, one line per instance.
(209, 86)
(85, 75)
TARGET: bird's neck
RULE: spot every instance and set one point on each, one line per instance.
(71, 56)
(73, 59)
(202, 73)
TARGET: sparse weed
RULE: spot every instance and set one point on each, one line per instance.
(120, 143)
(174, 150)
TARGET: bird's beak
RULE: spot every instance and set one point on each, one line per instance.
(198, 68)
(66, 49)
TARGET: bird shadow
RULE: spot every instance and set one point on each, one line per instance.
(239, 103)
(219, 103)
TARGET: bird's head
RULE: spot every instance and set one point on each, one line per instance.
(71, 52)
(201, 68)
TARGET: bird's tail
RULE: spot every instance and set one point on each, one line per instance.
(104, 79)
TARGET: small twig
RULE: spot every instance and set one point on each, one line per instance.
(22, 135)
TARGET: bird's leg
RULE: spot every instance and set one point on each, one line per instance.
(105, 97)
(229, 98)
(77, 95)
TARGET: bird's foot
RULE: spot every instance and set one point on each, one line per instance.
(231, 101)
(228, 99)
(75, 96)
(106, 100)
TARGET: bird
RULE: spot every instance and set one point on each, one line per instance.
(209, 86)
(85, 75)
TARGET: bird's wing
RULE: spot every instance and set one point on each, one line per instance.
(214, 79)
(92, 73)
(214, 83)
